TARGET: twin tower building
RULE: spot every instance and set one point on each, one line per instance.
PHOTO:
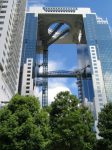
(24, 36)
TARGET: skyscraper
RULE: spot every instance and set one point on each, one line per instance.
(12, 14)
(93, 37)
(99, 40)
(94, 40)
(28, 59)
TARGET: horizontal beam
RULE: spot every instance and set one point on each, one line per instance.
(57, 27)
(59, 36)
(63, 76)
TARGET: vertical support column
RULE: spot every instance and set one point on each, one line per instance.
(45, 80)
(80, 90)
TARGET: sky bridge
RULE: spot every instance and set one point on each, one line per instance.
(65, 74)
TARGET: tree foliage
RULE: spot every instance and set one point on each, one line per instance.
(105, 128)
(71, 124)
(23, 125)
(65, 125)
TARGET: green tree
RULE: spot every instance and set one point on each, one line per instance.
(71, 124)
(105, 128)
(24, 125)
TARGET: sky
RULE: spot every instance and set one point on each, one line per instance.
(64, 57)
(102, 7)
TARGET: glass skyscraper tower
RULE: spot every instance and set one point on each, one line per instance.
(98, 34)
(94, 40)
(30, 37)
(93, 37)
(28, 54)
(99, 47)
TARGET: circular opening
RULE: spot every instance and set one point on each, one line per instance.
(58, 29)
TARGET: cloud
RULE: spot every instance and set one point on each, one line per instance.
(55, 85)
(52, 92)
(74, 85)
(52, 65)
(37, 3)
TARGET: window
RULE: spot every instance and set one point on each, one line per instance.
(97, 82)
(6, 40)
(1, 28)
(29, 67)
(28, 79)
(9, 22)
(96, 71)
(7, 33)
(92, 47)
(4, 6)
(4, 53)
(100, 99)
(27, 87)
(2, 17)
(28, 83)
(92, 50)
(99, 95)
(1, 22)
(5, 46)
(27, 91)
(28, 75)
(101, 104)
(98, 87)
(28, 71)
(97, 79)
(2, 60)
(3, 11)
(3, 1)
(99, 91)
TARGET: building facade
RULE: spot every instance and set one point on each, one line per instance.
(12, 14)
(26, 79)
(99, 48)
(99, 41)
(93, 37)
(94, 40)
